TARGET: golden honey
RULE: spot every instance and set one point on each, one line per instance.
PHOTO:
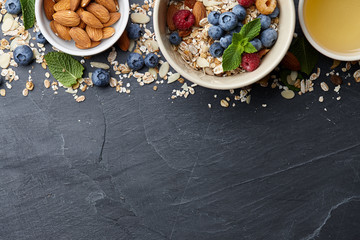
(334, 24)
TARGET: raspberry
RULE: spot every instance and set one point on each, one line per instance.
(183, 19)
(246, 3)
(250, 61)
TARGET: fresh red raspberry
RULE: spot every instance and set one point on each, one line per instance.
(246, 3)
(183, 19)
(250, 61)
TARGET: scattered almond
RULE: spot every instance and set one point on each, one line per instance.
(199, 12)
(290, 62)
(124, 41)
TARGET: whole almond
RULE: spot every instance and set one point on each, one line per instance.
(93, 44)
(290, 62)
(108, 4)
(62, 5)
(82, 24)
(124, 41)
(67, 18)
(90, 20)
(62, 31)
(117, 5)
(99, 11)
(190, 3)
(53, 28)
(95, 34)
(199, 12)
(49, 9)
(80, 37)
(108, 32)
(172, 9)
(184, 33)
(84, 3)
(114, 17)
(74, 4)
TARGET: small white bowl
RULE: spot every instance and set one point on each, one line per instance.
(269, 62)
(69, 46)
(327, 52)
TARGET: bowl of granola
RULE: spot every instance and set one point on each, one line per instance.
(224, 44)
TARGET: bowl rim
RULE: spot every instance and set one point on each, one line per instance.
(237, 84)
(324, 51)
(124, 11)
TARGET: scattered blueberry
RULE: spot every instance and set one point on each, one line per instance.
(213, 17)
(151, 60)
(265, 21)
(135, 61)
(134, 31)
(23, 55)
(40, 38)
(215, 32)
(175, 38)
(257, 43)
(268, 37)
(226, 41)
(100, 77)
(228, 21)
(13, 6)
(216, 50)
(275, 13)
(237, 29)
(240, 12)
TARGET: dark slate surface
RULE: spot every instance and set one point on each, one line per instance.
(145, 167)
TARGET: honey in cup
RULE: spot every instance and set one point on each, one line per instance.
(334, 24)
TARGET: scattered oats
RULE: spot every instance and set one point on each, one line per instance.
(337, 88)
(82, 61)
(99, 65)
(224, 103)
(321, 99)
(25, 92)
(248, 99)
(46, 83)
(47, 74)
(2, 92)
(29, 85)
(343, 69)
(338, 98)
(288, 94)
(80, 98)
(113, 82)
(325, 109)
(173, 78)
(112, 55)
(209, 105)
(324, 86)
(357, 75)
(139, 18)
(202, 62)
(5, 60)
(155, 88)
(264, 105)
(8, 85)
(164, 69)
(83, 88)
(76, 85)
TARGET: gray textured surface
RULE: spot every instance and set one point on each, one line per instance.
(144, 167)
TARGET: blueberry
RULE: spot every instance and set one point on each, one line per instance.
(240, 12)
(268, 37)
(216, 50)
(257, 43)
(228, 21)
(175, 38)
(40, 38)
(275, 13)
(100, 77)
(135, 61)
(13, 6)
(226, 41)
(151, 60)
(23, 55)
(237, 29)
(216, 32)
(213, 17)
(265, 21)
(134, 31)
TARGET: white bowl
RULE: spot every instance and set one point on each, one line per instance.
(69, 46)
(327, 52)
(269, 62)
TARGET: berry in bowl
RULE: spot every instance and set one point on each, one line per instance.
(224, 44)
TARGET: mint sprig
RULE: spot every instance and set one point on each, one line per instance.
(64, 68)
(28, 12)
(240, 44)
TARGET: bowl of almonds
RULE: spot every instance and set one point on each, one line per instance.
(82, 27)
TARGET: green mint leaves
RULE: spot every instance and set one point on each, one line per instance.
(64, 68)
(28, 12)
(240, 44)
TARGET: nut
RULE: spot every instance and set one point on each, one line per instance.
(190, 3)
(74, 4)
(336, 80)
(82, 24)
(49, 9)
(114, 17)
(290, 62)
(62, 5)
(80, 37)
(124, 42)
(93, 44)
(99, 11)
(95, 34)
(199, 12)
(62, 31)
(90, 19)
(84, 3)
(67, 18)
(108, 4)
(172, 9)
(108, 32)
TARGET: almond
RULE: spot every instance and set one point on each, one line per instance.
(114, 17)
(124, 41)
(263, 52)
(172, 9)
(74, 4)
(84, 3)
(108, 4)
(199, 12)
(49, 9)
(80, 37)
(67, 18)
(190, 3)
(290, 62)
(95, 34)
(108, 32)
(117, 5)
(62, 31)
(62, 5)
(93, 44)
(99, 11)
(90, 20)
(184, 33)
(52, 26)
(82, 24)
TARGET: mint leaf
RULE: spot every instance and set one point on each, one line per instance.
(251, 29)
(28, 12)
(64, 68)
(249, 48)
(237, 38)
(305, 53)
(232, 57)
